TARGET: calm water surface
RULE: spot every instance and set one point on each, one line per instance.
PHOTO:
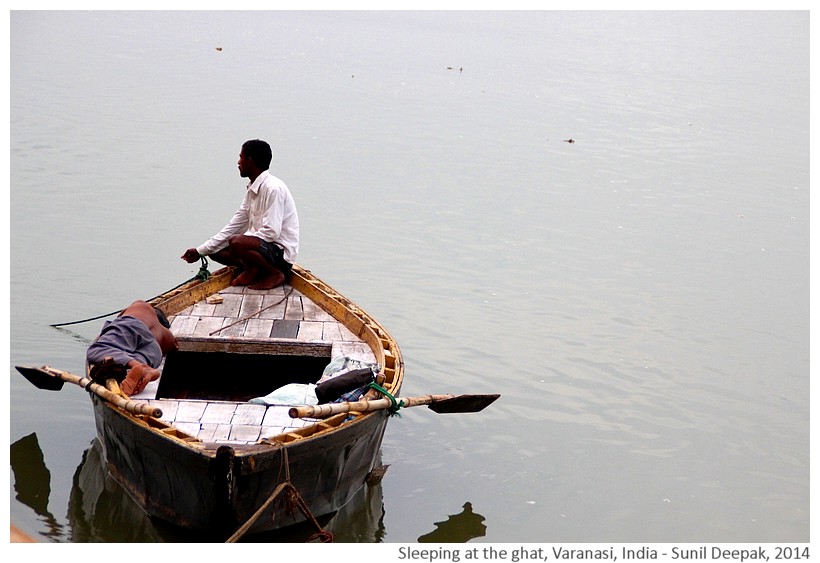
(640, 296)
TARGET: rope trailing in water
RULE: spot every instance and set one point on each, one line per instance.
(394, 404)
(202, 275)
(293, 499)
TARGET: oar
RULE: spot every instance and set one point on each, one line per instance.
(438, 403)
(53, 379)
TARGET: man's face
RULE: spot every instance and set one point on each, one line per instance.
(245, 165)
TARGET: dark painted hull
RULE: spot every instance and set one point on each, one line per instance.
(220, 488)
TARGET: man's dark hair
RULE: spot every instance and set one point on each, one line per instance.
(163, 320)
(259, 152)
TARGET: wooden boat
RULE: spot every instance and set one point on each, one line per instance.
(206, 447)
(214, 461)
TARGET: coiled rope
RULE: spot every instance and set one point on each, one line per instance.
(202, 275)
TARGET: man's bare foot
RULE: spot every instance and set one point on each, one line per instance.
(138, 377)
(245, 278)
(268, 281)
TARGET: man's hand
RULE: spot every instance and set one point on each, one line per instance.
(138, 377)
(191, 255)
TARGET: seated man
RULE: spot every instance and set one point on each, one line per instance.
(262, 238)
(130, 348)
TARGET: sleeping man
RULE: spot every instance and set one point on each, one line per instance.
(131, 347)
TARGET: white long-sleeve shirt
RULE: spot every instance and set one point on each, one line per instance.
(267, 212)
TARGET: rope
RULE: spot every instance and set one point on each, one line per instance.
(293, 498)
(394, 404)
(202, 275)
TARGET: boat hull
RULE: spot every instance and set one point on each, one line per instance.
(221, 487)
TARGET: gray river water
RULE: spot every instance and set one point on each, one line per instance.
(639, 296)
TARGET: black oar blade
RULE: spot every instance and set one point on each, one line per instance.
(41, 378)
(463, 403)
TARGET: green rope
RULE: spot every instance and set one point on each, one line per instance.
(202, 275)
(394, 404)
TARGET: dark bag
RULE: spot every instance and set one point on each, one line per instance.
(335, 387)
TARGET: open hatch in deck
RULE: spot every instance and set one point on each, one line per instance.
(206, 386)
(231, 376)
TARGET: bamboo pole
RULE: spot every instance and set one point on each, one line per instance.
(365, 405)
(134, 407)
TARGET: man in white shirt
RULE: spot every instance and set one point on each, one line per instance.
(262, 238)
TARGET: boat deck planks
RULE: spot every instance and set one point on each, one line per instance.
(215, 421)
(281, 315)
(263, 314)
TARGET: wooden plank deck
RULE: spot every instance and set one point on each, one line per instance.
(282, 315)
(217, 421)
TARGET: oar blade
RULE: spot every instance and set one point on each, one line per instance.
(463, 403)
(41, 378)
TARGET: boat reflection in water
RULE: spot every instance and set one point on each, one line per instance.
(100, 510)
(458, 528)
(32, 481)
